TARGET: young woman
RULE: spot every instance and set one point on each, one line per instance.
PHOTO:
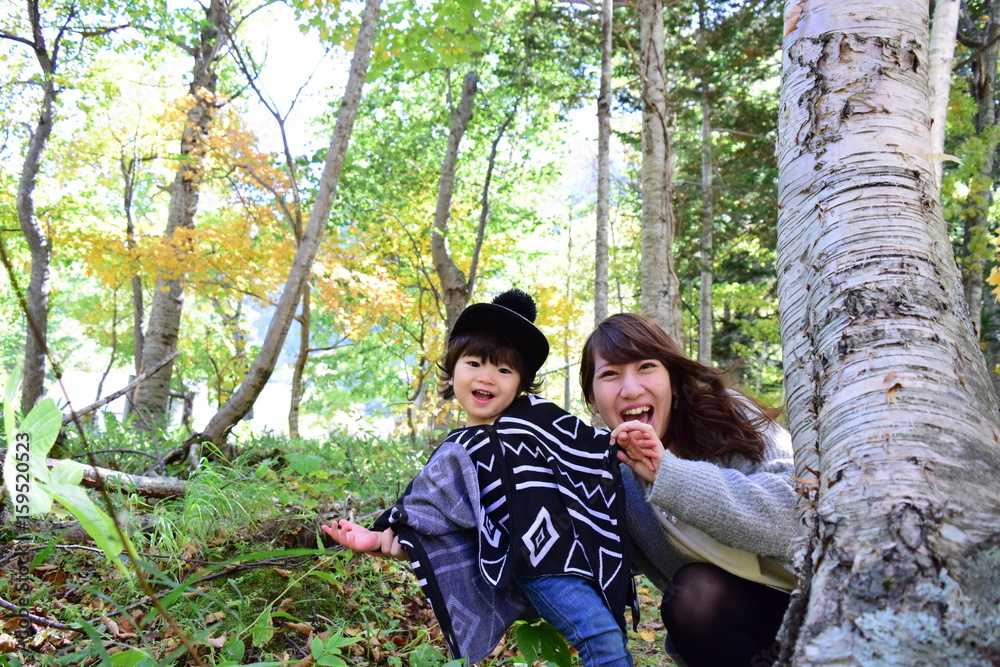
(709, 492)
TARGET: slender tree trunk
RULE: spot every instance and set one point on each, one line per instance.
(603, 167)
(153, 396)
(991, 338)
(976, 247)
(484, 202)
(114, 347)
(986, 122)
(660, 285)
(943, 30)
(301, 359)
(454, 286)
(243, 398)
(892, 417)
(567, 328)
(35, 346)
(705, 314)
(128, 167)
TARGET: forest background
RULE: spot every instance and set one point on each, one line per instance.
(162, 162)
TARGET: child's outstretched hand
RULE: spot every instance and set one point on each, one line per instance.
(642, 448)
(353, 536)
(360, 539)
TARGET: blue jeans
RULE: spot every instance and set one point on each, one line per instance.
(577, 609)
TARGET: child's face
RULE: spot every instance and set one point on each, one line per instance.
(485, 390)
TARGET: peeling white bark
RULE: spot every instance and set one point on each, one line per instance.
(888, 398)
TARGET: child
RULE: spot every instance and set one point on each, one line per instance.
(518, 509)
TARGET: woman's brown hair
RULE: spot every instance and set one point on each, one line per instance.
(709, 418)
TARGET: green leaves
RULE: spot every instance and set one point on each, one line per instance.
(33, 487)
(540, 641)
(328, 652)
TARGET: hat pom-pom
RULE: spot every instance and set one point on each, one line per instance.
(518, 301)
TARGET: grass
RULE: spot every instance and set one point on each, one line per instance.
(241, 571)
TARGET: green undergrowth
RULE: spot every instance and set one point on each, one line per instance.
(240, 570)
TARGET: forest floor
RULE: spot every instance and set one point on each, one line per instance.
(240, 574)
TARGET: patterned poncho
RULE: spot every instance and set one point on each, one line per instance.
(535, 493)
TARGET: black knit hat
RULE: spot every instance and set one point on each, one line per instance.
(511, 315)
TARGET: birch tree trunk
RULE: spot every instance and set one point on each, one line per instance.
(892, 416)
(243, 398)
(603, 168)
(454, 286)
(153, 396)
(660, 285)
(943, 31)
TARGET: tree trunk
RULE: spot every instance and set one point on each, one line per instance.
(603, 168)
(484, 202)
(705, 314)
(976, 245)
(96, 477)
(892, 417)
(301, 359)
(660, 285)
(243, 398)
(454, 286)
(128, 171)
(35, 346)
(943, 31)
(991, 338)
(153, 397)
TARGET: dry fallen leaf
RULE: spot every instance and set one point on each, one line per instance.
(302, 628)
(215, 618)
(110, 625)
(8, 644)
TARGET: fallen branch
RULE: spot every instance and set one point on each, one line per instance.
(73, 416)
(23, 613)
(95, 477)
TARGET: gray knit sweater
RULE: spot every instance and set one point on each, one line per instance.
(741, 504)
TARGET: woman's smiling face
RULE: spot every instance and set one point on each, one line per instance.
(634, 390)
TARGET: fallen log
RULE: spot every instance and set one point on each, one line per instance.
(95, 477)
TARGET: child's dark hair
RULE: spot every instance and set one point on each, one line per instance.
(491, 348)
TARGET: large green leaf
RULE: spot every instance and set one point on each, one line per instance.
(43, 423)
(98, 525)
(24, 470)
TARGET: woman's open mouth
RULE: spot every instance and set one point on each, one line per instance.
(642, 413)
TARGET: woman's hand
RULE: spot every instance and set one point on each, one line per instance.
(360, 539)
(642, 448)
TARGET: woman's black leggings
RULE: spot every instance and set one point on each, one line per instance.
(717, 619)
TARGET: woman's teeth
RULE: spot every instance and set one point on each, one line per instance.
(643, 414)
